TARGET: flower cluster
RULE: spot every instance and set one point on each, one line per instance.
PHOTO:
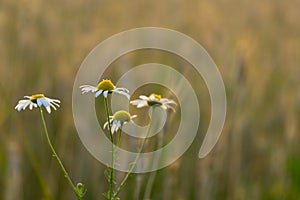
(106, 87)
(115, 122)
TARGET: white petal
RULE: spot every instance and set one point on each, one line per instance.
(164, 107)
(114, 126)
(118, 125)
(53, 102)
(43, 101)
(121, 89)
(169, 106)
(143, 97)
(143, 104)
(105, 93)
(32, 105)
(22, 104)
(39, 102)
(48, 109)
(26, 104)
(98, 93)
(164, 100)
(23, 101)
(53, 106)
(88, 88)
(168, 101)
(19, 107)
(137, 101)
(105, 125)
(122, 93)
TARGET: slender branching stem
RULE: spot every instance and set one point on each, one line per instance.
(155, 161)
(57, 158)
(112, 171)
(122, 184)
(119, 136)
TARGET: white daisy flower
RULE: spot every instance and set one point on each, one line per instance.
(37, 100)
(104, 87)
(118, 119)
(154, 100)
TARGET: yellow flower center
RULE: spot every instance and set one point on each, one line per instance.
(106, 84)
(157, 96)
(156, 101)
(122, 116)
(36, 96)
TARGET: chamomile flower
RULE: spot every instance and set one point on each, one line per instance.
(118, 119)
(154, 100)
(37, 100)
(104, 87)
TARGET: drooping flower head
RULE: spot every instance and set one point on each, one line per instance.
(118, 119)
(104, 87)
(37, 100)
(154, 100)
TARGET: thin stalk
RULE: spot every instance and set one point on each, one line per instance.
(135, 161)
(118, 143)
(112, 171)
(114, 149)
(66, 175)
(155, 161)
(119, 137)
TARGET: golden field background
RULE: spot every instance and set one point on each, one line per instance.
(256, 46)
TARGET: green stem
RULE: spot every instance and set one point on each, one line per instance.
(56, 156)
(114, 157)
(119, 137)
(155, 161)
(135, 160)
(117, 145)
(112, 171)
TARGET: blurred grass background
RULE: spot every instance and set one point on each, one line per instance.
(256, 46)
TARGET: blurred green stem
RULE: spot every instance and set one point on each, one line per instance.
(112, 171)
(155, 162)
(78, 194)
(119, 137)
(135, 160)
